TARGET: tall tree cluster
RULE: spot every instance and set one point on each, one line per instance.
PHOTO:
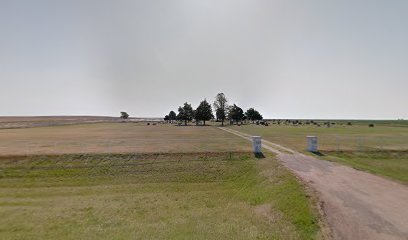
(204, 112)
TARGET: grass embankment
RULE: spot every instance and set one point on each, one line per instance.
(154, 196)
(380, 150)
(391, 164)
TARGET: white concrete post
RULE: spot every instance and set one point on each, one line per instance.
(257, 144)
(312, 144)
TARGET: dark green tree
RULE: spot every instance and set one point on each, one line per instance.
(258, 116)
(235, 113)
(245, 118)
(195, 116)
(186, 113)
(204, 112)
(172, 116)
(220, 114)
(166, 118)
(220, 107)
(124, 115)
(250, 113)
(253, 115)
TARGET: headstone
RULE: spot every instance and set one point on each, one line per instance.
(312, 144)
(257, 144)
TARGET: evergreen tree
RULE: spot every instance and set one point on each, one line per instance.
(204, 112)
(172, 116)
(186, 113)
(236, 113)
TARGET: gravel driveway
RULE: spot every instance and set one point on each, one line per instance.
(356, 204)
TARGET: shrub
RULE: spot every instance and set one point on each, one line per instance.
(124, 115)
(371, 125)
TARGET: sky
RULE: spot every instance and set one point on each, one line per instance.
(340, 59)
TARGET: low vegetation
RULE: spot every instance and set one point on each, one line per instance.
(152, 196)
(124, 115)
(391, 164)
(117, 138)
(381, 150)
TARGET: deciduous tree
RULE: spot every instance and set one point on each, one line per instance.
(220, 107)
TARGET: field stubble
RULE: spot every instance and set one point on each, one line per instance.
(183, 183)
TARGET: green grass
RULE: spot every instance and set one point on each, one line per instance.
(391, 164)
(153, 196)
(380, 150)
(356, 138)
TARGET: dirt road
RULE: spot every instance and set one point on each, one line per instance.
(357, 205)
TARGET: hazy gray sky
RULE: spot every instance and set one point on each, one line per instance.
(289, 59)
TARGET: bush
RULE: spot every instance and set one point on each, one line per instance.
(124, 115)
(371, 125)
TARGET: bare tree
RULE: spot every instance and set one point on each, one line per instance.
(221, 106)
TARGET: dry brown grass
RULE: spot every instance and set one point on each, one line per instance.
(46, 121)
(117, 138)
(170, 183)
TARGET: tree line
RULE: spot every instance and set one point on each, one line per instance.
(204, 112)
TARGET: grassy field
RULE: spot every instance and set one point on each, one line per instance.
(139, 196)
(117, 137)
(356, 137)
(46, 121)
(391, 164)
(381, 150)
(189, 190)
